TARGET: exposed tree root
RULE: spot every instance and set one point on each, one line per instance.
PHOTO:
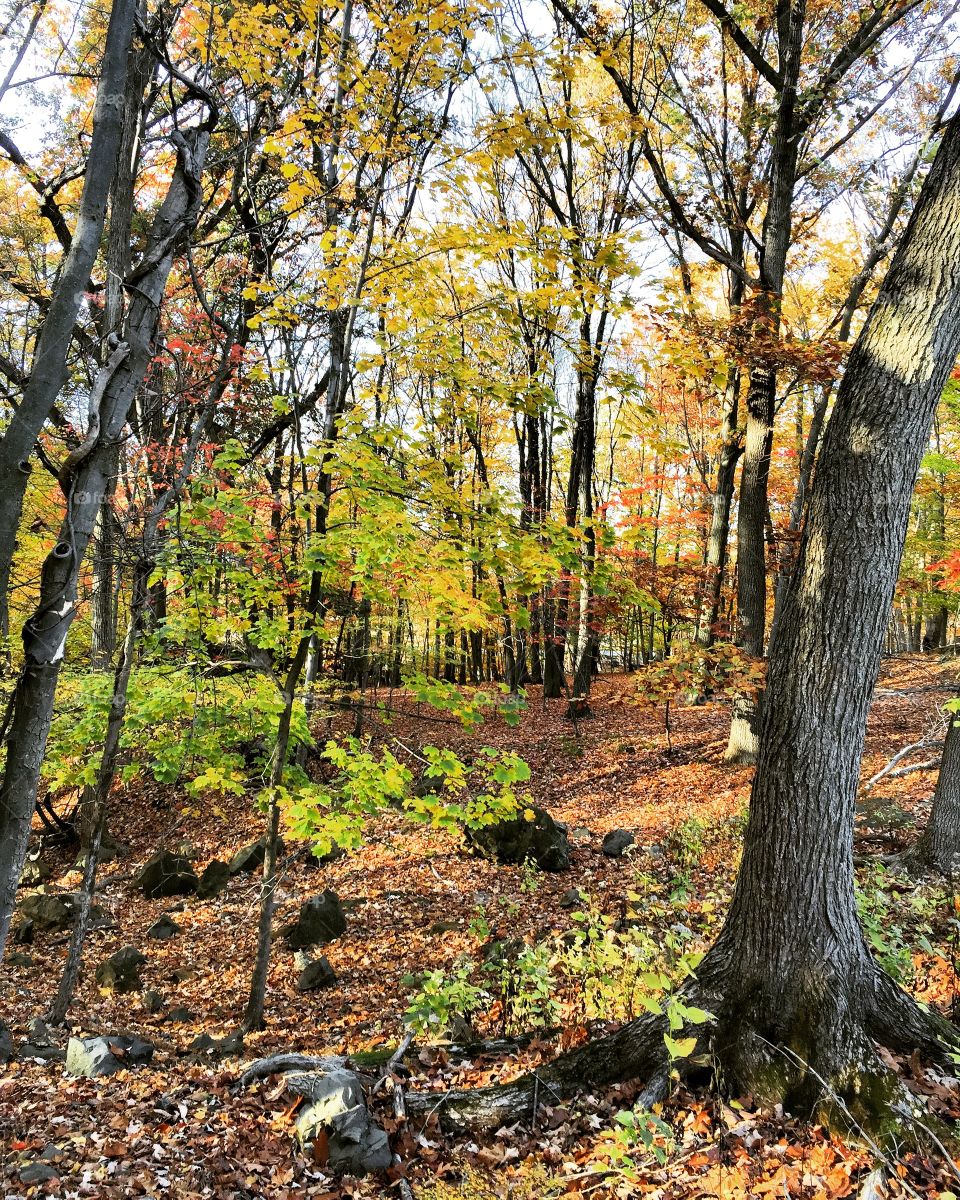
(827, 1069)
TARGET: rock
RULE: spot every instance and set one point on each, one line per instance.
(152, 1001)
(502, 953)
(211, 1047)
(518, 839)
(6, 1044)
(35, 872)
(46, 911)
(37, 1172)
(250, 858)
(356, 1144)
(40, 1033)
(51, 1153)
(167, 874)
(315, 975)
(331, 1094)
(43, 1053)
(164, 928)
(617, 842)
(121, 971)
(321, 920)
(214, 880)
(91, 1057)
(572, 899)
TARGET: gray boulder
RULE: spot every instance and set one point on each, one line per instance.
(214, 880)
(356, 1145)
(315, 975)
(164, 928)
(167, 874)
(121, 971)
(250, 857)
(321, 920)
(617, 842)
(542, 839)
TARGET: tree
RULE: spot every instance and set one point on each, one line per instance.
(798, 1001)
(939, 843)
(84, 479)
(49, 371)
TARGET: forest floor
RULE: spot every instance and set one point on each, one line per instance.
(417, 901)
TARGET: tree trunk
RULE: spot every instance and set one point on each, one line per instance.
(939, 844)
(797, 997)
(755, 473)
(85, 480)
(49, 369)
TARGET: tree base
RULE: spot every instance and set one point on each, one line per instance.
(824, 1068)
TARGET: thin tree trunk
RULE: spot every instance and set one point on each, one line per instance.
(84, 479)
(49, 369)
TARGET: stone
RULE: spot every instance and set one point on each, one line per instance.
(22, 933)
(167, 874)
(210, 1047)
(92, 1057)
(43, 1053)
(38, 1172)
(214, 880)
(320, 920)
(35, 872)
(121, 971)
(164, 928)
(331, 1093)
(6, 1044)
(514, 841)
(572, 899)
(46, 911)
(350, 1152)
(617, 842)
(40, 1033)
(316, 975)
(250, 857)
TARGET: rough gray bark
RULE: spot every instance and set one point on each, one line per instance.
(939, 844)
(84, 479)
(797, 996)
(48, 372)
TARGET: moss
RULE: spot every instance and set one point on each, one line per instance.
(376, 1057)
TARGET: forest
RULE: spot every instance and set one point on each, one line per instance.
(479, 598)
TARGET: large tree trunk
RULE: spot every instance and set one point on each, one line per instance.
(797, 997)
